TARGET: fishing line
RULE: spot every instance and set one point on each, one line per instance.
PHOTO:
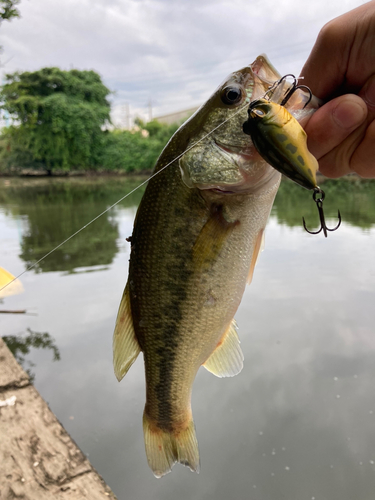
(123, 198)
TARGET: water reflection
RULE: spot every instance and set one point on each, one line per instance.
(51, 211)
(299, 420)
(351, 195)
(20, 347)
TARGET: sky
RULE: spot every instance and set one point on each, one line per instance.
(162, 56)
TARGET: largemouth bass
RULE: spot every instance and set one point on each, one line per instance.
(197, 235)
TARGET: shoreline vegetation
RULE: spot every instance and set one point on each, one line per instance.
(58, 123)
(123, 152)
(56, 174)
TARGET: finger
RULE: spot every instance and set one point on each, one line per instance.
(338, 161)
(325, 67)
(342, 56)
(363, 159)
(333, 123)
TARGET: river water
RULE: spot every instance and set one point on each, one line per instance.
(298, 423)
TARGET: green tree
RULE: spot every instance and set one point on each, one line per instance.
(54, 211)
(58, 116)
(8, 9)
(20, 347)
(132, 150)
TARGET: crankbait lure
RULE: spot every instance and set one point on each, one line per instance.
(282, 142)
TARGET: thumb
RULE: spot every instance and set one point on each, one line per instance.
(336, 124)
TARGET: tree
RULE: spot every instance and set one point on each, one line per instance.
(135, 150)
(20, 347)
(8, 10)
(59, 117)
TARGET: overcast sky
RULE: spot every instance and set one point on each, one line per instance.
(170, 53)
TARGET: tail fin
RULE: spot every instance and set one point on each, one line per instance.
(164, 449)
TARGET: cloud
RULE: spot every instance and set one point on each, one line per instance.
(173, 53)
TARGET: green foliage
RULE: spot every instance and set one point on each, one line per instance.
(136, 150)
(14, 151)
(350, 194)
(56, 208)
(158, 131)
(59, 117)
(59, 123)
(8, 9)
(20, 347)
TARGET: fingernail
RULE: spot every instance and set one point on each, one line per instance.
(349, 114)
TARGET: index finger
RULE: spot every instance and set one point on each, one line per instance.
(342, 57)
(323, 71)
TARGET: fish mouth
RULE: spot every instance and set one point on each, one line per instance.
(245, 153)
(223, 191)
(255, 173)
(241, 156)
(236, 156)
(226, 190)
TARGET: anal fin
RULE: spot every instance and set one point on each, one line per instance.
(125, 343)
(227, 358)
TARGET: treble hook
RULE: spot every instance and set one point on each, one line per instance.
(292, 89)
(319, 204)
(289, 92)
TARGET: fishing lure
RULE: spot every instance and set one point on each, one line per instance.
(282, 142)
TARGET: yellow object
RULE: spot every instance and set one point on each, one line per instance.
(12, 288)
(281, 141)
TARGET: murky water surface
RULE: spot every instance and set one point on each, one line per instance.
(298, 423)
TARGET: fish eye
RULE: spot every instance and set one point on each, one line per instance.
(231, 95)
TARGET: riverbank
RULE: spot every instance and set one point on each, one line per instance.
(87, 174)
(38, 458)
(74, 173)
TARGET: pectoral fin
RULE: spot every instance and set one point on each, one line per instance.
(212, 238)
(125, 343)
(258, 247)
(227, 358)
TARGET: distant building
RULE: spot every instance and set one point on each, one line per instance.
(177, 117)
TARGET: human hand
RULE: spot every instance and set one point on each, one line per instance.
(341, 71)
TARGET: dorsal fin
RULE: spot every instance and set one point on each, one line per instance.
(227, 358)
